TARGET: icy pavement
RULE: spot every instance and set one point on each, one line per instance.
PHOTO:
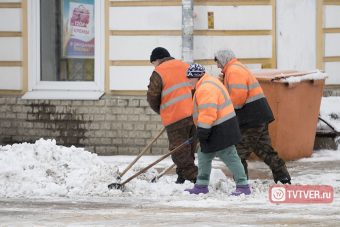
(43, 184)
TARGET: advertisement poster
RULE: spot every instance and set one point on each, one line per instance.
(78, 31)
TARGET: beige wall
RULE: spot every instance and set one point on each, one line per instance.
(134, 28)
(11, 46)
(329, 49)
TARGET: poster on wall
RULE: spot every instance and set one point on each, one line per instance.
(78, 29)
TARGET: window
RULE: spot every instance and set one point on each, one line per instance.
(65, 47)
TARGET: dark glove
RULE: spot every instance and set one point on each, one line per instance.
(203, 137)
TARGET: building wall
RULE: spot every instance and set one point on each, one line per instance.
(263, 34)
(329, 39)
(110, 126)
(11, 46)
(136, 27)
(296, 39)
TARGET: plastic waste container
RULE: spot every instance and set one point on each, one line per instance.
(295, 99)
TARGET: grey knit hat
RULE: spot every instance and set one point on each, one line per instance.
(224, 56)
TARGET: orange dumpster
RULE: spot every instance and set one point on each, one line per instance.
(295, 99)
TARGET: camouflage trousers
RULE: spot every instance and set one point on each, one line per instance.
(257, 140)
(184, 158)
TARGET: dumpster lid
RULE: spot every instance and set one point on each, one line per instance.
(288, 76)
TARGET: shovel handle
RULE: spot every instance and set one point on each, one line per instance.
(142, 152)
(162, 173)
(189, 141)
(328, 124)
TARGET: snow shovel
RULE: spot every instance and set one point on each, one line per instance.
(329, 125)
(326, 139)
(121, 185)
(140, 154)
(156, 178)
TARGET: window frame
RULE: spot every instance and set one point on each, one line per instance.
(38, 89)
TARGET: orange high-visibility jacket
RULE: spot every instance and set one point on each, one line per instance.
(250, 103)
(242, 86)
(212, 104)
(214, 115)
(176, 100)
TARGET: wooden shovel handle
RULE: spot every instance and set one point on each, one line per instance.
(158, 160)
(142, 152)
(163, 172)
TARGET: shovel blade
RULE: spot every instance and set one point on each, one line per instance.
(116, 186)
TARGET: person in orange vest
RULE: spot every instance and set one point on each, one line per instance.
(169, 94)
(253, 113)
(217, 130)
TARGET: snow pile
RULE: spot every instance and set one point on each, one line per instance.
(45, 169)
(311, 76)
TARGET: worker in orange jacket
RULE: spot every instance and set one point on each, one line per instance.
(169, 94)
(217, 130)
(253, 113)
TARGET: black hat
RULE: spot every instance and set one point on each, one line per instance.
(159, 53)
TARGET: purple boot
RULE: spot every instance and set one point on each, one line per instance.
(197, 189)
(241, 189)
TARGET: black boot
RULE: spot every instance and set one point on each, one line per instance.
(281, 174)
(193, 180)
(285, 180)
(180, 180)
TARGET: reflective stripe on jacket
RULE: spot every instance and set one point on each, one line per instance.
(249, 101)
(242, 86)
(176, 98)
(214, 115)
(212, 105)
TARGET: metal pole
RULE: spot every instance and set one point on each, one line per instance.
(187, 31)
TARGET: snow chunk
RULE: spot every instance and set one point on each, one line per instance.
(45, 169)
